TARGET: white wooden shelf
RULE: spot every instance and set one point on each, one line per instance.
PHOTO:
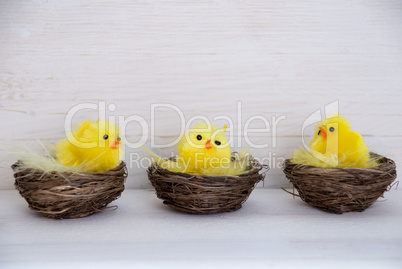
(271, 230)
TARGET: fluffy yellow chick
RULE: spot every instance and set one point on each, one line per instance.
(92, 147)
(202, 147)
(204, 150)
(335, 145)
(235, 167)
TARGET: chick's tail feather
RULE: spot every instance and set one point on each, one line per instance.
(34, 158)
(174, 166)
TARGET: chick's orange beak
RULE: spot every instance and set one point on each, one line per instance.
(208, 144)
(324, 133)
(114, 145)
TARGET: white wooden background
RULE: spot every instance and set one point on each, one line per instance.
(277, 57)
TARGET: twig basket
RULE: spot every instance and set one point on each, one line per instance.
(66, 195)
(200, 194)
(340, 190)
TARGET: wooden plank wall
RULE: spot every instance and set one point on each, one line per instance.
(278, 58)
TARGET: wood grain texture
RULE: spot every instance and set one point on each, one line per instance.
(272, 230)
(277, 57)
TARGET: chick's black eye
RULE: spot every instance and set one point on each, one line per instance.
(217, 142)
(105, 137)
(118, 138)
(199, 137)
(319, 132)
(331, 129)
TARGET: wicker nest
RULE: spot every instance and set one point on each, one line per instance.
(339, 190)
(66, 195)
(199, 194)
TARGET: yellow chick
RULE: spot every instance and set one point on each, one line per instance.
(92, 147)
(202, 147)
(204, 150)
(235, 167)
(335, 145)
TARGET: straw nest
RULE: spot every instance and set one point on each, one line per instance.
(340, 190)
(201, 194)
(65, 195)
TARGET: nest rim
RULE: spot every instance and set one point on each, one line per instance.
(205, 194)
(67, 195)
(339, 190)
